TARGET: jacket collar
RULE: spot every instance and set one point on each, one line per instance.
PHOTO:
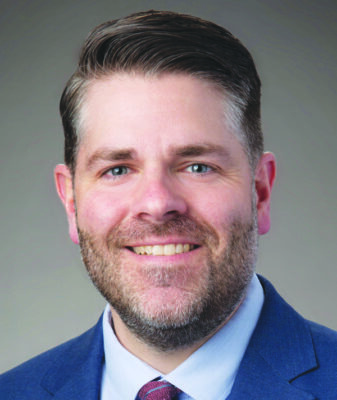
(76, 373)
(280, 350)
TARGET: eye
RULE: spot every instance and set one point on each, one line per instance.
(117, 171)
(199, 168)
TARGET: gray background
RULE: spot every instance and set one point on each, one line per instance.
(45, 295)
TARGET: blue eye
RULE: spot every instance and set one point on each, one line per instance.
(199, 168)
(117, 171)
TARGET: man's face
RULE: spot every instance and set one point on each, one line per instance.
(165, 210)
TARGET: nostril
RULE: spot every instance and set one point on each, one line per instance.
(172, 213)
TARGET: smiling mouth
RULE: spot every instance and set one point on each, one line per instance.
(163, 250)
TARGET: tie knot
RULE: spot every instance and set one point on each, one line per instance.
(158, 390)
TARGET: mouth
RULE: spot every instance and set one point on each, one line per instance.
(170, 249)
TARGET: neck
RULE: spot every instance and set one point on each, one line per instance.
(162, 361)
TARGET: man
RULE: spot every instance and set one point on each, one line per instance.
(166, 188)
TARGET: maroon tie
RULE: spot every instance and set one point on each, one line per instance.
(158, 390)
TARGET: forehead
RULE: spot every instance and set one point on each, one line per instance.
(130, 110)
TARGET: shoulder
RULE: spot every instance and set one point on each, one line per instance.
(323, 337)
(325, 345)
(302, 351)
(26, 381)
(281, 318)
(321, 380)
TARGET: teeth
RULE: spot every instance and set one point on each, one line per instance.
(163, 250)
(148, 250)
(186, 248)
(157, 250)
(169, 249)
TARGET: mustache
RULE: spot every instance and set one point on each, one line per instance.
(179, 225)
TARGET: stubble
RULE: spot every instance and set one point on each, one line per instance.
(208, 298)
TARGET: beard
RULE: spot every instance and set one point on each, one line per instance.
(208, 293)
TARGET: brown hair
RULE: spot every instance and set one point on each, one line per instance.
(156, 42)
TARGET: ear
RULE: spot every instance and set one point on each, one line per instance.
(64, 187)
(264, 179)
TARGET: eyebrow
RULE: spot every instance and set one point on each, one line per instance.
(110, 155)
(194, 150)
(201, 150)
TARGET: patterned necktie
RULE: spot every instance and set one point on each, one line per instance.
(158, 390)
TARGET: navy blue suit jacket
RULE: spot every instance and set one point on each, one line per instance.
(288, 358)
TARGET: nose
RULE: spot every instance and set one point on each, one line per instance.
(158, 200)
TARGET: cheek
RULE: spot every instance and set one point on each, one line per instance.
(219, 209)
(99, 212)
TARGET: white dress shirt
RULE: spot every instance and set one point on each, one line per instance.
(208, 374)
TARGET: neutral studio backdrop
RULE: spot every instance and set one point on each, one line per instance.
(45, 295)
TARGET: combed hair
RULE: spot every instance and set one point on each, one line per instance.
(159, 42)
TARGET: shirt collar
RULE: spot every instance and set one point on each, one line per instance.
(221, 355)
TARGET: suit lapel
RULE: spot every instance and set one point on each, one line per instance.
(258, 381)
(279, 351)
(76, 373)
